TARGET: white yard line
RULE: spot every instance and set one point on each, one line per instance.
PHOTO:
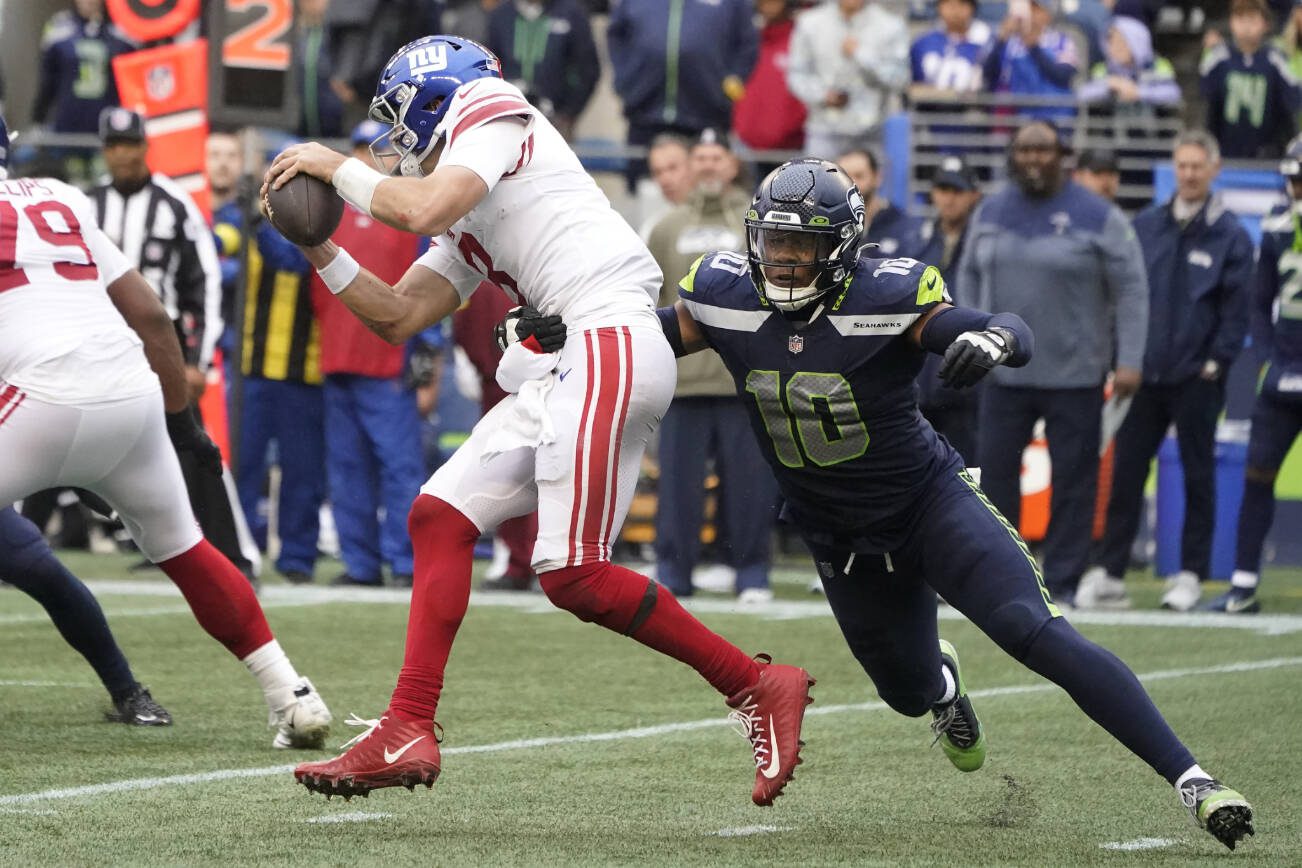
(784, 610)
(1140, 844)
(743, 831)
(587, 738)
(45, 684)
(350, 817)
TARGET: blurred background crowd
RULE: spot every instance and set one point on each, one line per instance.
(1150, 130)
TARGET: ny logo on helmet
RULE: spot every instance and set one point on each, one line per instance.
(433, 58)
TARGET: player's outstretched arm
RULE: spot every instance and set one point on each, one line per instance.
(681, 329)
(973, 342)
(144, 312)
(425, 206)
(421, 298)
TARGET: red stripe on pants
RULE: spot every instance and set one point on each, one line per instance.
(579, 480)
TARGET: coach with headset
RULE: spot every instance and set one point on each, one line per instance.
(1066, 261)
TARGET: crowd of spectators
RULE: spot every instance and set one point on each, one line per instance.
(338, 414)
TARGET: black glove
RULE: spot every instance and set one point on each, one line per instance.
(187, 436)
(974, 354)
(526, 325)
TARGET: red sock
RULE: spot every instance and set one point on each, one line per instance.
(629, 603)
(519, 535)
(443, 541)
(221, 598)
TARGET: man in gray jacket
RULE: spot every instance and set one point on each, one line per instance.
(1068, 263)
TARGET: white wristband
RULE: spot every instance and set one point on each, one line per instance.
(356, 183)
(341, 271)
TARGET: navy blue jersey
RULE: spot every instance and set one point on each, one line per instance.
(833, 400)
(1276, 319)
(76, 76)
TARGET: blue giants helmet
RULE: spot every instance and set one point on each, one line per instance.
(415, 88)
(803, 232)
(4, 149)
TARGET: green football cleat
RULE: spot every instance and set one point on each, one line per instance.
(956, 725)
(1223, 812)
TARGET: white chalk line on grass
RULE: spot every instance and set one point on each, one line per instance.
(1140, 844)
(782, 610)
(350, 817)
(744, 831)
(110, 612)
(591, 737)
(16, 683)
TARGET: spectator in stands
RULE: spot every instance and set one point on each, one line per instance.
(679, 67)
(321, 113)
(162, 232)
(667, 159)
(546, 49)
(949, 61)
(1252, 96)
(955, 193)
(372, 432)
(893, 230)
(1290, 42)
(223, 166)
(849, 63)
(1199, 260)
(76, 73)
(1032, 58)
(469, 18)
(707, 421)
(1097, 170)
(768, 117)
(1131, 75)
(364, 33)
(281, 401)
(1068, 263)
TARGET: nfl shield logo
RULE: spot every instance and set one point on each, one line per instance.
(796, 343)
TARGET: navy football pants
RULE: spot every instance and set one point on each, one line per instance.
(963, 549)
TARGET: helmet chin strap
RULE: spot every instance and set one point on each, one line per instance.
(791, 304)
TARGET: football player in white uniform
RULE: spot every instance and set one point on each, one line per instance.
(504, 198)
(80, 405)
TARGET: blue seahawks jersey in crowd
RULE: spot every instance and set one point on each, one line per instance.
(1276, 318)
(833, 400)
(941, 61)
(76, 75)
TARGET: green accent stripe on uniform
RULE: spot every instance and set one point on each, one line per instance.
(1017, 538)
(672, 45)
(688, 283)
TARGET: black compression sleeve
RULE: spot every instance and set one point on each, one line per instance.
(673, 333)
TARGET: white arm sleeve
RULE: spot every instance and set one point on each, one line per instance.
(111, 261)
(442, 259)
(491, 149)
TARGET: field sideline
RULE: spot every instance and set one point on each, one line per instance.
(569, 745)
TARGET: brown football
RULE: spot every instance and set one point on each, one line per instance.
(306, 210)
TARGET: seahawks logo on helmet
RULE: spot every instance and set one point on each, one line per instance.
(854, 199)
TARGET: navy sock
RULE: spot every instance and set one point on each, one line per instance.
(1110, 694)
(27, 563)
(1255, 515)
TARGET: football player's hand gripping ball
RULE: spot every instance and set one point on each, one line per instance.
(527, 325)
(975, 354)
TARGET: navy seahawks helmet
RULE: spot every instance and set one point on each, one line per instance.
(806, 214)
(4, 149)
(415, 89)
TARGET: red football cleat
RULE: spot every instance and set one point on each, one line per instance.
(392, 753)
(770, 713)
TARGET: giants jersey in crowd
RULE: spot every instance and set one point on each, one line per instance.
(545, 232)
(1277, 301)
(832, 401)
(61, 338)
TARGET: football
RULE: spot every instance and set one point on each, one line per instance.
(306, 210)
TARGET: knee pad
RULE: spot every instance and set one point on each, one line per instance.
(433, 518)
(602, 593)
(1014, 627)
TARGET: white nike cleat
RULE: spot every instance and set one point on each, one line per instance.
(304, 722)
(1183, 592)
(755, 597)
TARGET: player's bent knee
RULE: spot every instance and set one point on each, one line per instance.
(1015, 626)
(602, 593)
(909, 703)
(431, 517)
(1263, 475)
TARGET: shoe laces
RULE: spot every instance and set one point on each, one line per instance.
(751, 727)
(1196, 790)
(954, 724)
(353, 720)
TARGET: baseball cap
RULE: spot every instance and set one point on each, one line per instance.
(1098, 160)
(711, 136)
(954, 172)
(368, 131)
(117, 124)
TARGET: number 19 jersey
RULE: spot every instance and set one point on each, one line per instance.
(61, 338)
(833, 400)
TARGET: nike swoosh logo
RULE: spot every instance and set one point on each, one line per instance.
(397, 755)
(770, 771)
(564, 374)
(1233, 605)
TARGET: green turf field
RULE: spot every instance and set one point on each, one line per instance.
(570, 745)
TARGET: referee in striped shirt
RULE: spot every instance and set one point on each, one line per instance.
(163, 233)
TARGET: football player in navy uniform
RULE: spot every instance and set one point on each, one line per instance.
(1276, 328)
(825, 344)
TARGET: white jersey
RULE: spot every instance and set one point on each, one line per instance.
(545, 232)
(61, 338)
